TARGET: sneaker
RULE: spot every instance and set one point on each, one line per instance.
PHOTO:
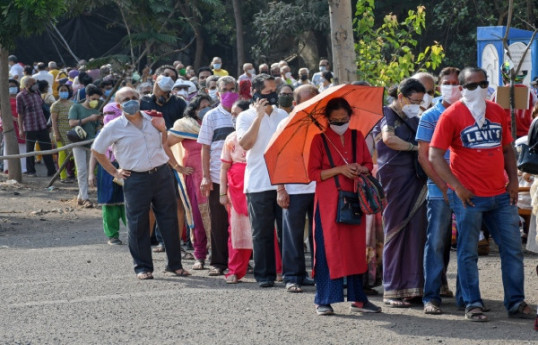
(365, 307)
(115, 242)
(324, 310)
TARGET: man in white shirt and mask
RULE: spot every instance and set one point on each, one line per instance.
(476, 131)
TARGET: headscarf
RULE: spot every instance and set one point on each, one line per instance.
(111, 107)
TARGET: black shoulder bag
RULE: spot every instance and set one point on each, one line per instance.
(348, 210)
(527, 160)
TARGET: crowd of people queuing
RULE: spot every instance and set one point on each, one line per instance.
(178, 149)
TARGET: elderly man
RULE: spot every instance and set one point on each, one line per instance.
(249, 72)
(324, 66)
(216, 126)
(217, 67)
(263, 68)
(33, 125)
(255, 128)
(476, 131)
(297, 202)
(145, 159)
(428, 81)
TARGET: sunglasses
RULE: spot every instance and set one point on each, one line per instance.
(472, 86)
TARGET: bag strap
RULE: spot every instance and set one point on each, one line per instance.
(330, 157)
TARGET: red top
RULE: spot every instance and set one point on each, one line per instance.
(476, 154)
(345, 245)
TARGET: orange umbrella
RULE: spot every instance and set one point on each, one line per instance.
(288, 151)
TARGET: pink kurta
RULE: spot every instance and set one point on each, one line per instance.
(345, 245)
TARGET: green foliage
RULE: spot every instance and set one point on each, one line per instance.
(281, 24)
(26, 17)
(386, 54)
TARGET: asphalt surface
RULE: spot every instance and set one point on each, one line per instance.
(60, 283)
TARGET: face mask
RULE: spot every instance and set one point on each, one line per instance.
(13, 90)
(202, 112)
(450, 93)
(285, 101)
(426, 101)
(339, 127)
(475, 100)
(251, 71)
(213, 94)
(130, 107)
(227, 99)
(264, 72)
(64, 94)
(272, 97)
(34, 88)
(183, 93)
(161, 100)
(93, 103)
(276, 75)
(217, 65)
(107, 92)
(322, 69)
(304, 77)
(411, 110)
(288, 75)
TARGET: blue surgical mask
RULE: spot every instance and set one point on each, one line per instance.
(107, 92)
(130, 107)
(64, 94)
(217, 65)
(13, 90)
(202, 112)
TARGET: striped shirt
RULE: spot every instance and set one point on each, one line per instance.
(216, 126)
(29, 107)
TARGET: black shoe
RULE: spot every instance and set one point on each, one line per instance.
(309, 281)
(266, 284)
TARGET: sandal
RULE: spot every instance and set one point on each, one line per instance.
(159, 249)
(520, 312)
(293, 288)
(144, 275)
(475, 314)
(397, 303)
(198, 265)
(215, 271)
(431, 308)
(178, 273)
(232, 279)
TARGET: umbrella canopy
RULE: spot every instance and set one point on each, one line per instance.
(288, 151)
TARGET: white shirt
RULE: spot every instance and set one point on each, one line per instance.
(44, 75)
(245, 76)
(16, 70)
(297, 188)
(216, 126)
(135, 149)
(256, 175)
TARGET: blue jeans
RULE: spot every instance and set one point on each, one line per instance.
(502, 221)
(293, 221)
(437, 248)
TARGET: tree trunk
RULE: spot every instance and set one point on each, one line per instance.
(10, 138)
(239, 37)
(343, 47)
(194, 22)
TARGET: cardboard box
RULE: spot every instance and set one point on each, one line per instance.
(521, 95)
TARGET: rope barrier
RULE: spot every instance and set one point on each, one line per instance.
(47, 152)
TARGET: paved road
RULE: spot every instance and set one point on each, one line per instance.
(60, 283)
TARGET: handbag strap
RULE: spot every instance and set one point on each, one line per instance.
(330, 157)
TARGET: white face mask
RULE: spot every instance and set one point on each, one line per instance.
(213, 94)
(182, 93)
(251, 71)
(475, 100)
(340, 130)
(426, 101)
(450, 93)
(322, 69)
(411, 110)
(288, 75)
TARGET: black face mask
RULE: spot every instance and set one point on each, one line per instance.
(304, 77)
(271, 98)
(264, 72)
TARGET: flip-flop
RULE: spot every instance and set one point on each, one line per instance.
(431, 308)
(520, 313)
(397, 303)
(293, 288)
(178, 273)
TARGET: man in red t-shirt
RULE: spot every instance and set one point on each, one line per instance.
(476, 131)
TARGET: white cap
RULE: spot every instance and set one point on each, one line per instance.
(191, 87)
(165, 83)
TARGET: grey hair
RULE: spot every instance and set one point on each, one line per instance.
(223, 81)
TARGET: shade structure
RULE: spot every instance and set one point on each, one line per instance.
(288, 151)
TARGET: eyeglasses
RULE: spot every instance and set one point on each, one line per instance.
(472, 86)
(414, 101)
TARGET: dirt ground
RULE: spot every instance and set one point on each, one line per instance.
(60, 283)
